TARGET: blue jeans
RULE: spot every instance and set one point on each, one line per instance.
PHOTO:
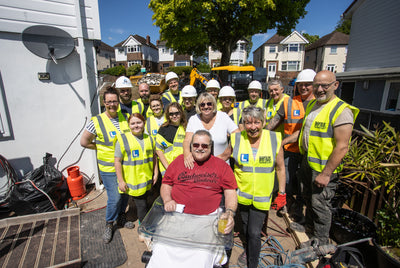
(116, 202)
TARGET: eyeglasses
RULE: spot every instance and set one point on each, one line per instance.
(111, 102)
(203, 104)
(252, 108)
(174, 114)
(324, 86)
(227, 99)
(203, 145)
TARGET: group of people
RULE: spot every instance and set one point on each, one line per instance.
(212, 151)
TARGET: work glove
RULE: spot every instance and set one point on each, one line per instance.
(279, 202)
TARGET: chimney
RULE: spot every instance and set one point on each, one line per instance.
(148, 40)
(158, 42)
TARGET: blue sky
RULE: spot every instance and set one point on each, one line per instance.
(120, 18)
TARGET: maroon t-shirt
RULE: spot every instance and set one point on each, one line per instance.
(200, 189)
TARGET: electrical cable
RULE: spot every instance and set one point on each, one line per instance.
(11, 179)
(37, 188)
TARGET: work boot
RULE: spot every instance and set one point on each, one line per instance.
(242, 259)
(123, 222)
(108, 233)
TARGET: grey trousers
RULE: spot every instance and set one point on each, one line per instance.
(318, 201)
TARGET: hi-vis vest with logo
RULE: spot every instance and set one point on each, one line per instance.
(271, 113)
(321, 141)
(137, 163)
(294, 114)
(152, 126)
(168, 95)
(106, 133)
(149, 112)
(135, 108)
(260, 103)
(170, 150)
(255, 177)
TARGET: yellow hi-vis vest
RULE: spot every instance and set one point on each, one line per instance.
(170, 150)
(255, 177)
(140, 103)
(237, 113)
(168, 95)
(137, 163)
(106, 133)
(321, 141)
(152, 126)
(260, 103)
(271, 113)
(135, 108)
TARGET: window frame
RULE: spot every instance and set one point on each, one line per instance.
(290, 63)
(272, 47)
(386, 95)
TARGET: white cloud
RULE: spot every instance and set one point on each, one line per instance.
(110, 38)
(117, 30)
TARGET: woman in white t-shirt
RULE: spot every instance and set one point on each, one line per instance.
(218, 123)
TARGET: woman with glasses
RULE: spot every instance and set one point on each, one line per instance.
(170, 136)
(227, 98)
(136, 163)
(216, 122)
(258, 155)
(154, 121)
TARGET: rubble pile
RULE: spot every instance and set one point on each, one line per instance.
(152, 79)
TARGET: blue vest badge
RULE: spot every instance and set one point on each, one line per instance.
(296, 113)
(112, 134)
(135, 153)
(269, 114)
(164, 144)
(244, 158)
(236, 104)
(154, 132)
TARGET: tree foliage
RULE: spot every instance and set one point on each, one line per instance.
(189, 27)
(344, 26)
(133, 69)
(311, 38)
(117, 70)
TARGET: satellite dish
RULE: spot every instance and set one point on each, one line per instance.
(48, 42)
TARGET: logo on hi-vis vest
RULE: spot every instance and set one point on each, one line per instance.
(264, 159)
(164, 144)
(154, 132)
(149, 152)
(236, 104)
(180, 136)
(135, 153)
(112, 134)
(269, 114)
(244, 158)
(320, 125)
(296, 113)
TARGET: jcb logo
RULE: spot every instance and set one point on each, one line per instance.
(320, 125)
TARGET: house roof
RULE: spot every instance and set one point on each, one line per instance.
(334, 38)
(277, 39)
(104, 46)
(138, 38)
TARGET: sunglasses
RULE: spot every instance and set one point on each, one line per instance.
(203, 145)
(175, 114)
(203, 104)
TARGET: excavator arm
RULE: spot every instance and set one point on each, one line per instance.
(195, 75)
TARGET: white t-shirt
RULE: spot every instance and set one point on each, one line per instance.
(223, 126)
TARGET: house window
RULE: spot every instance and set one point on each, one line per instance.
(135, 48)
(307, 58)
(165, 65)
(333, 49)
(272, 49)
(293, 47)
(182, 63)
(236, 62)
(241, 47)
(331, 67)
(344, 67)
(392, 100)
(133, 62)
(163, 50)
(290, 65)
(171, 51)
(106, 56)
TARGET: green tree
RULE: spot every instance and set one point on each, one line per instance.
(310, 38)
(133, 69)
(189, 27)
(344, 26)
(117, 70)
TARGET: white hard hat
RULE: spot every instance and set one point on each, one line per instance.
(255, 85)
(227, 91)
(171, 75)
(189, 91)
(123, 82)
(307, 75)
(213, 84)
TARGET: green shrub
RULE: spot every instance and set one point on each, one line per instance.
(204, 67)
(180, 69)
(117, 70)
(133, 69)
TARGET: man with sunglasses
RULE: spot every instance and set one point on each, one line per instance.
(323, 142)
(200, 190)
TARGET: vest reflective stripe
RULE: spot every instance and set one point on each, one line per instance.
(170, 150)
(255, 177)
(270, 108)
(149, 112)
(292, 121)
(321, 140)
(104, 140)
(236, 115)
(168, 95)
(260, 103)
(152, 126)
(135, 107)
(137, 163)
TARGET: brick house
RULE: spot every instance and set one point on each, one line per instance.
(169, 58)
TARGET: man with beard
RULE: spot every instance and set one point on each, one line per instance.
(201, 191)
(143, 102)
(124, 87)
(323, 142)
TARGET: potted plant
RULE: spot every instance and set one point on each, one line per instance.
(373, 163)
